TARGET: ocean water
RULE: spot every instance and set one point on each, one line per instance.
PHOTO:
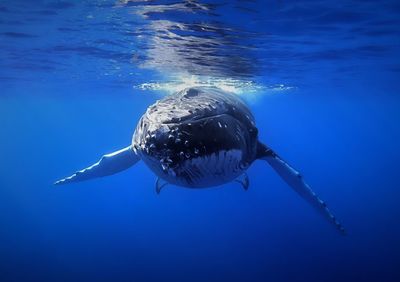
(322, 79)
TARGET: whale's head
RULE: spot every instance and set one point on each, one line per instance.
(197, 137)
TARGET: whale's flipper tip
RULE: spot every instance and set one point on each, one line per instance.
(64, 180)
(295, 180)
(107, 165)
(73, 178)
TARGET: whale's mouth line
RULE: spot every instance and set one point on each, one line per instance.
(193, 119)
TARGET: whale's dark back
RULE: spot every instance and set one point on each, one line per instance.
(198, 137)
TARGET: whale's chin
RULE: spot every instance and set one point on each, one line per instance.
(201, 171)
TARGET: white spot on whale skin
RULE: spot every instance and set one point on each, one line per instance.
(164, 166)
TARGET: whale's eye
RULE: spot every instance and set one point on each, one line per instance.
(191, 93)
(253, 131)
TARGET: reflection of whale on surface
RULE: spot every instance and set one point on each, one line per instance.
(197, 138)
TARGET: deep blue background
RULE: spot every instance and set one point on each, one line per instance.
(66, 99)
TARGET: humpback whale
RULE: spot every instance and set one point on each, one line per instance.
(196, 138)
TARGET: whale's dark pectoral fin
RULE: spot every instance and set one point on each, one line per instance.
(244, 181)
(160, 184)
(107, 165)
(295, 180)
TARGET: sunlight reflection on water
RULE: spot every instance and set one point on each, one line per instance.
(240, 87)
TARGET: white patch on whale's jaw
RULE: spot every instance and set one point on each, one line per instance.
(212, 170)
(203, 171)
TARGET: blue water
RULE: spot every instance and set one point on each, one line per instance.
(322, 79)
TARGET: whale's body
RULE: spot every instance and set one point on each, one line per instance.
(199, 137)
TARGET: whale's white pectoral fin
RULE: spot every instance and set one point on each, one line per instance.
(295, 180)
(244, 181)
(107, 165)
